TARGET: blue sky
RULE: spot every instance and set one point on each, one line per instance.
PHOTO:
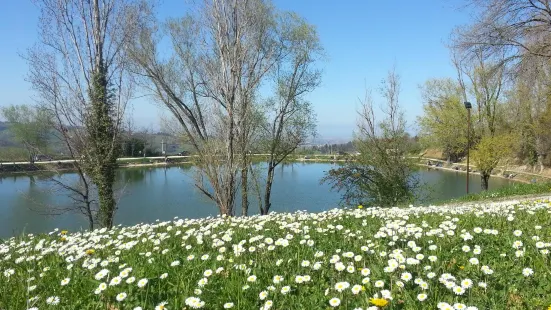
(362, 39)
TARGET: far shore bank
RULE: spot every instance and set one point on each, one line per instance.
(67, 166)
(19, 168)
(472, 172)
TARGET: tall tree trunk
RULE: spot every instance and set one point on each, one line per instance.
(244, 188)
(230, 153)
(540, 153)
(256, 187)
(484, 178)
(268, 190)
(90, 216)
(107, 202)
(540, 162)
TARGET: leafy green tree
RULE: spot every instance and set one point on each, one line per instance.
(488, 153)
(444, 121)
(131, 146)
(31, 126)
(382, 175)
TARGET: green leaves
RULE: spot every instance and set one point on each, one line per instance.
(30, 126)
(444, 121)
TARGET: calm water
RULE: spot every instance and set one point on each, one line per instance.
(147, 194)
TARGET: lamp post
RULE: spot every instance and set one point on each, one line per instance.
(468, 106)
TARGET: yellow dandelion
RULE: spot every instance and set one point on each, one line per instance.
(360, 207)
(90, 251)
(63, 239)
(461, 267)
(379, 302)
(64, 232)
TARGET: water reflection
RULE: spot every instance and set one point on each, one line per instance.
(147, 194)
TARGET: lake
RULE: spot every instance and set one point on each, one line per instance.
(150, 193)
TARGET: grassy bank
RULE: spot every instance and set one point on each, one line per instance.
(512, 190)
(148, 161)
(493, 256)
(51, 166)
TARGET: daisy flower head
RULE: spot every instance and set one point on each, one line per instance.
(458, 290)
(285, 290)
(527, 272)
(121, 296)
(356, 289)
(341, 286)
(142, 283)
(115, 281)
(334, 302)
(52, 300)
(467, 283)
(102, 286)
(406, 276)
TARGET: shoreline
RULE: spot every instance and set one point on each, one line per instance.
(7, 169)
(475, 173)
(64, 166)
(69, 169)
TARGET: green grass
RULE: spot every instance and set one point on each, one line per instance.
(515, 189)
(395, 254)
(11, 154)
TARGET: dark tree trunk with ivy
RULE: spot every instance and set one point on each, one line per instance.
(79, 70)
(100, 161)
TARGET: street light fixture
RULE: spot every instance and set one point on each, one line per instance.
(468, 106)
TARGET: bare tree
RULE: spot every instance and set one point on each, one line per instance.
(382, 175)
(482, 78)
(530, 109)
(81, 192)
(220, 56)
(510, 27)
(36, 126)
(78, 71)
(289, 118)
